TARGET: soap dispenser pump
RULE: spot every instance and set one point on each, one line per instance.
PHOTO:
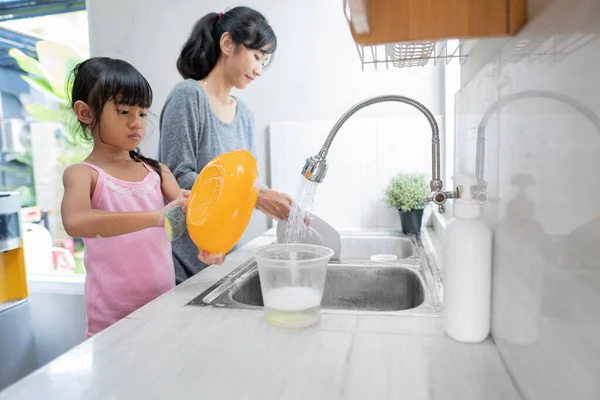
(467, 268)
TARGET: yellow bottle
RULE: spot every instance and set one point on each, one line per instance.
(13, 276)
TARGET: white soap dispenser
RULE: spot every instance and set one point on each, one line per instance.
(467, 268)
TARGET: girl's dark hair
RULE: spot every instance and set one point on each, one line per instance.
(98, 80)
(247, 28)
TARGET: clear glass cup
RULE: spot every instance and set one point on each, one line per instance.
(292, 279)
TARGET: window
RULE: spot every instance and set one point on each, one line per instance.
(34, 149)
(18, 9)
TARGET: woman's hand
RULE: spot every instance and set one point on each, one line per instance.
(186, 196)
(274, 204)
(210, 259)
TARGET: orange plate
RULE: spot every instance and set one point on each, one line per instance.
(222, 200)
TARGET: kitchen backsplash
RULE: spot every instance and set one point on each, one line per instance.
(534, 107)
(365, 154)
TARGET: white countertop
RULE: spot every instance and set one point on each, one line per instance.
(167, 350)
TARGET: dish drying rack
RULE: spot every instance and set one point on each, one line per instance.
(414, 54)
(399, 55)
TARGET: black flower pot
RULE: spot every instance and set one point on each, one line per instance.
(411, 221)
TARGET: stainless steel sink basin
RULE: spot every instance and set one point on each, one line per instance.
(405, 286)
(361, 248)
(362, 244)
(354, 287)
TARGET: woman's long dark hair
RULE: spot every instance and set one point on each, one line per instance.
(98, 80)
(247, 28)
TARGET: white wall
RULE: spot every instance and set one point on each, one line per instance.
(364, 155)
(542, 157)
(316, 74)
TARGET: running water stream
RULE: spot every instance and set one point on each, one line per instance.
(298, 222)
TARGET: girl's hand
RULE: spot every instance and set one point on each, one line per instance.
(181, 201)
(210, 259)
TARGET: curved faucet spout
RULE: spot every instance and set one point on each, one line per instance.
(315, 168)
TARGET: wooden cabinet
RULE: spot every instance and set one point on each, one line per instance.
(393, 21)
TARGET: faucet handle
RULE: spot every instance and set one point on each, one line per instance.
(440, 198)
(452, 194)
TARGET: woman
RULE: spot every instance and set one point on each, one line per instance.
(201, 119)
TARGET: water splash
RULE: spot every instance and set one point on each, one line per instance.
(297, 224)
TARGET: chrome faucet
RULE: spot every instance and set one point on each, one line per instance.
(315, 168)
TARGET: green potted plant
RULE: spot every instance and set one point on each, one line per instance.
(406, 192)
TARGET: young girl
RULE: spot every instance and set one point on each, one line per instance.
(115, 199)
(201, 119)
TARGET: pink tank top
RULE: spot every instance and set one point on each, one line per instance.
(125, 272)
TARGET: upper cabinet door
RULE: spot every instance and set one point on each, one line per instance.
(374, 22)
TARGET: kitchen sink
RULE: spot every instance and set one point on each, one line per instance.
(355, 285)
(359, 247)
